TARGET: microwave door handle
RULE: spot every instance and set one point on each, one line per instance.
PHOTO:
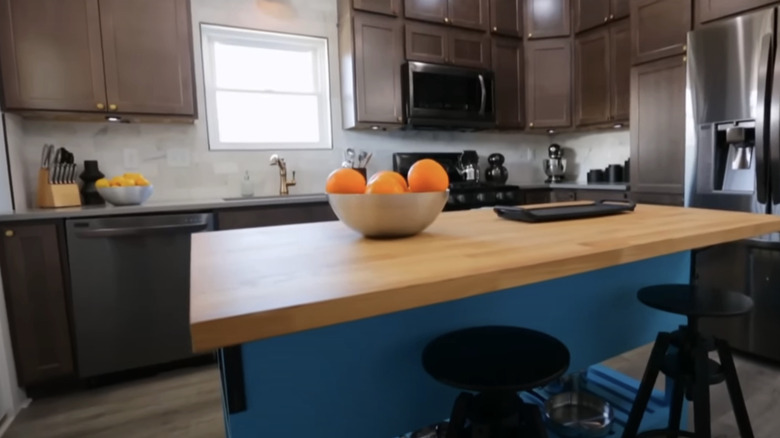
(483, 102)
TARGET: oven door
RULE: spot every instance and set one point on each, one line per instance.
(446, 96)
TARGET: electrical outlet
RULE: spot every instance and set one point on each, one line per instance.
(131, 159)
(178, 157)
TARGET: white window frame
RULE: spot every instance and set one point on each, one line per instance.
(211, 34)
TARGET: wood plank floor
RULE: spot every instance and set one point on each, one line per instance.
(187, 403)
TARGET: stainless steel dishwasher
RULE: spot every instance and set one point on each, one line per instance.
(130, 281)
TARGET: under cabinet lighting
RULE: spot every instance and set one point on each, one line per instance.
(617, 125)
(114, 119)
(551, 131)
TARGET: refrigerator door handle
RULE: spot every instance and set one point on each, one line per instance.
(763, 114)
(774, 137)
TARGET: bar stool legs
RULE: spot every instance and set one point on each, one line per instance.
(662, 342)
(735, 391)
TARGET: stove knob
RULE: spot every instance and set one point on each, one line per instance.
(460, 198)
(500, 196)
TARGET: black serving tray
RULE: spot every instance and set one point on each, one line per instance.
(564, 212)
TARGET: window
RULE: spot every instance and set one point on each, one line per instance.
(265, 90)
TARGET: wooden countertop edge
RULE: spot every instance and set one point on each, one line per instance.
(239, 329)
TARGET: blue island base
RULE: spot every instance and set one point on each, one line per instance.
(364, 379)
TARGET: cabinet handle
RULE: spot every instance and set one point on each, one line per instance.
(9, 233)
(606, 19)
(611, 16)
(685, 48)
(531, 124)
(112, 107)
(446, 20)
(685, 58)
(100, 106)
(495, 29)
(530, 35)
(400, 119)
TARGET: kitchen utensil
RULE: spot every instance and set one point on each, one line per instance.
(399, 215)
(579, 414)
(349, 157)
(595, 176)
(56, 168)
(614, 173)
(496, 173)
(554, 168)
(368, 159)
(89, 176)
(469, 166)
(126, 195)
(46, 155)
(361, 160)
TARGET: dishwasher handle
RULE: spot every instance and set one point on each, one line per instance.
(143, 230)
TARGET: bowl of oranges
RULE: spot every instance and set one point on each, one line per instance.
(127, 189)
(388, 204)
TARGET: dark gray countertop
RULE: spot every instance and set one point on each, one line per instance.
(158, 207)
(577, 186)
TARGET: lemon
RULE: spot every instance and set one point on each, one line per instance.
(133, 176)
(142, 182)
(102, 183)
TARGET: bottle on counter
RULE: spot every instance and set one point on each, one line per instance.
(247, 188)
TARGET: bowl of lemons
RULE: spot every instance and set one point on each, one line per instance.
(127, 189)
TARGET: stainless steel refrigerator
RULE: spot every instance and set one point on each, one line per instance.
(733, 163)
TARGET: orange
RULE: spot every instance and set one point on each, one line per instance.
(428, 176)
(389, 174)
(385, 184)
(344, 181)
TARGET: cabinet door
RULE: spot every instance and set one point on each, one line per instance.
(537, 197)
(51, 55)
(471, 14)
(547, 18)
(590, 13)
(379, 54)
(592, 77)
(548, 83)
(506, 17)
(426, 43)
(620, 70)
(708, 10)
(147, 46)
(469, 49)
(619, 9)
(601, 195)
(658, 126)
(510, 90)
(387, 7)
(659, 28)
(562, 195)
(427, 10)
(35, 298)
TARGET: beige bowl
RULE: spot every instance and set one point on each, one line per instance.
(379, 216)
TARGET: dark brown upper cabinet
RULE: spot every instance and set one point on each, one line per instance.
(35, 296)
(506, 17)
(659, 28)
(387, 7)
(427, 43)
(620, 70)
(620, 8)
(442, 45)
(548, 83)
(658, 126)
(147, 51)
(510, 88)
(590, 13)
(131, 57)
(427, 10)
(50, 55)
(472, 14)
(469, 49)
(372, 53)
(592, 77)
(708, 10)
(547, 18)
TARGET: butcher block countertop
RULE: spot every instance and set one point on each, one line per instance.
(258, 283)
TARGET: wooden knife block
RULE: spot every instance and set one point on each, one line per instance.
(56, 195)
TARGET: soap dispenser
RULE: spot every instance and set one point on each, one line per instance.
(247, 188)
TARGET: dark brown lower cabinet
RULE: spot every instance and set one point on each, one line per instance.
(658, 126)
(548, 91)
(536, 197)
(563, 195)
(510, 90)
(601, 195)
(274, 215)
(657, 199)
(38, 317)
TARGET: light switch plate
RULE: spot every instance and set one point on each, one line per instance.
(178, 157)
(131, 159)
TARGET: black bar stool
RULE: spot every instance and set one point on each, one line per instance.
(495, 362)
(688, 364)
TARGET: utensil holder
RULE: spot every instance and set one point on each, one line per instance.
(56, 195)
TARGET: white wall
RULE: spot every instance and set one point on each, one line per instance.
(218, 174)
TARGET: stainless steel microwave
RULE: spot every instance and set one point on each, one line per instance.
(448, 97)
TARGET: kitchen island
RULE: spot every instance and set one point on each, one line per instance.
(320, 331)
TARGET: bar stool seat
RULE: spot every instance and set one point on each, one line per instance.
(495, 362)
(688, 300)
